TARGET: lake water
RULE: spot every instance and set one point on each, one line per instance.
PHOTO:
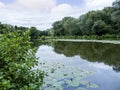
(80, 65)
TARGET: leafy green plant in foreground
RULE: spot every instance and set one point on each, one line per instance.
(16, 62)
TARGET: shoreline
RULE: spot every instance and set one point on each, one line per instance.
(99, 41)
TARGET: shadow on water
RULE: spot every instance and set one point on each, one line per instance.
(91, 51)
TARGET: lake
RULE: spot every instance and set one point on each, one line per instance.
(80, 65)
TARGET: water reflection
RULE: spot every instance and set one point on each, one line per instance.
(98, 58)
(91, 51)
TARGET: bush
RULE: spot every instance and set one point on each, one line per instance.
(17, 59)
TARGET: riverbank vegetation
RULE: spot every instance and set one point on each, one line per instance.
(100, 24)
(104, 22)
(17, 59)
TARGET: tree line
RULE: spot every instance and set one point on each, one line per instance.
(34, 32)
(100, 22)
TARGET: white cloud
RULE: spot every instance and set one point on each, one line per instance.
(62, 9)
(68, 10)
(97, 4)
(40, 5)
(2, 5)
(42, 13)
(25, 18)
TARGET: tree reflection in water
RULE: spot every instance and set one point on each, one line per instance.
(91, 51)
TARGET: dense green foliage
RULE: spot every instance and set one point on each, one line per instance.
(34, 32)
(17, 60)
(17, 57)
(100, 22)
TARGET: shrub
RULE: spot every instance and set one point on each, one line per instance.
(17, 59)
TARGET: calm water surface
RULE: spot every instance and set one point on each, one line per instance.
(100, 58)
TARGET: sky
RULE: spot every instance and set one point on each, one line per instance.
(42, 13)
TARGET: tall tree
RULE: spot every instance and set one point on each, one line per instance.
(100, 28)
(58, 28)
(34, 33)
(116, 4)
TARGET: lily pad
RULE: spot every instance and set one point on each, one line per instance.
(65, 76)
